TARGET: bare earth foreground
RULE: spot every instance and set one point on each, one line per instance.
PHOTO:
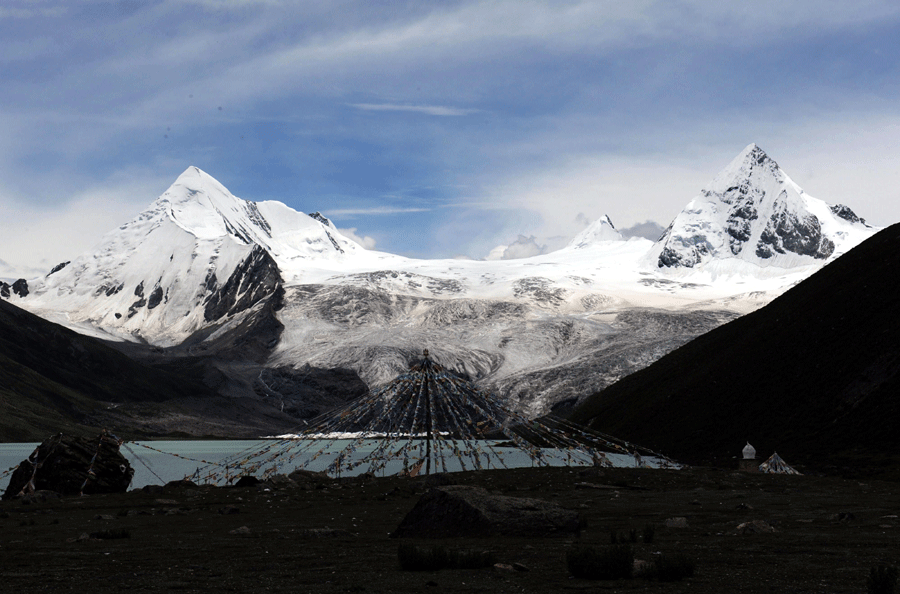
(828, 533)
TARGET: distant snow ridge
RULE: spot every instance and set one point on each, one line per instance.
(197, 255)
(600, 230)
(207, 272)
(754, 212)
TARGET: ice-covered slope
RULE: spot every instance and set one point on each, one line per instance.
(753, 213)
(600, 230)
(201, 269)
(196, 256)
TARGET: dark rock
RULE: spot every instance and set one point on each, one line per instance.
(321, 218)
(247, 481)
(135, 306)
(308, 480)
(39, 496)
(845, 213)
(672, 258)
(155, 298)
(242, 531)
(139, 290)
(463, 511)
(59, 267)
(788, 232)
(755, 527)
(20, 287)
(181, 484)
(72, 465)
(254, 279)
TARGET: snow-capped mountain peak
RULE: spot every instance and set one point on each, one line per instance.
(600, 230)
(206, 270)
(753, 212)
(202, 206)
(199, 251)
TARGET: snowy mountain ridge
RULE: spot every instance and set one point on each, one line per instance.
(203, 268)
(752, 211)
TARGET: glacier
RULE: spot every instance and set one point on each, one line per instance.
(267, 291)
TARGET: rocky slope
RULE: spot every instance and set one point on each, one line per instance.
(53, 379)
(813, 375)
(263, 294)
(752, 211)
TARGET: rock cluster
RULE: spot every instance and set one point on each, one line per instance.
(71, 465)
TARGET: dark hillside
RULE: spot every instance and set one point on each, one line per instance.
(813, 375)
(53, 379)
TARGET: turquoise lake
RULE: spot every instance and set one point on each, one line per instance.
(174, 460)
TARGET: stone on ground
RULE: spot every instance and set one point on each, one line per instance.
(464, 511)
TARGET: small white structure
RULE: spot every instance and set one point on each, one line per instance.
(749, 452)
(748, 462)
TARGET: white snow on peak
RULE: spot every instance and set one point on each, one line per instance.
(600, 230)
(203, 207)
(753, 216)
(151, 278)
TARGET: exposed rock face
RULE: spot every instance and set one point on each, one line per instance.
(156, 297)
(463, 511)
(308, 391)
(20, 288)
(255, 278)
(790, 232)
(72, 465)
(845, 213)
(751, 211)
(59, 267)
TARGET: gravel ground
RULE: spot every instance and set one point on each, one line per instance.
(805, 534)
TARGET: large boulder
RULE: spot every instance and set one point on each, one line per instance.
(452, 511)
(71, 465)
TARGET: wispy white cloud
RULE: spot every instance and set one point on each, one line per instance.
(548, 86)
(28, 11)
(436, 110)
(39, 236)
(338, 213)
(363, 240)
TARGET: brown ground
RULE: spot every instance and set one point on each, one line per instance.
(829, 532)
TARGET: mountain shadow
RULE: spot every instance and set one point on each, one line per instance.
(813, 376)
(55, 380)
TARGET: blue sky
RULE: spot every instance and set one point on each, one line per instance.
(435, 129)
